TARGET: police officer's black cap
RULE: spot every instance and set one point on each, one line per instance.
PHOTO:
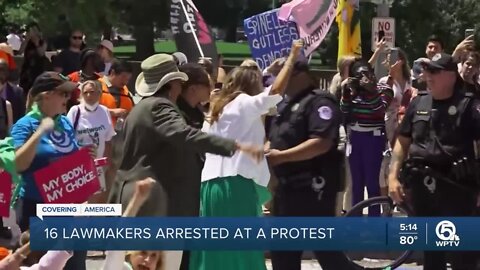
(52, 81)
(441, 61)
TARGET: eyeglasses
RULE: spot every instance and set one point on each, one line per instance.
(77, 37)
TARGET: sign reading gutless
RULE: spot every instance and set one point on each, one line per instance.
(268, 37)
(5, 193)
(71, 179)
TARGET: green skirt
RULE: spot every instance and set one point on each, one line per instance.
(230, 197)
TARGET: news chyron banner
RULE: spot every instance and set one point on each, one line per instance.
(192, 34)
(341, 233)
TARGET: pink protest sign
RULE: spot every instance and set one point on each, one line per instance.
(5, 193)
(71, 179)
(313, 19)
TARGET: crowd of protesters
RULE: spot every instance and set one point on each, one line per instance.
(196, 137)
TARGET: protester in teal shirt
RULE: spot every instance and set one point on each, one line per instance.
(51, 146)
(49, 96)
(48, 99)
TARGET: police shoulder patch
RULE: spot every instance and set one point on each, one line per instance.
(325, 113)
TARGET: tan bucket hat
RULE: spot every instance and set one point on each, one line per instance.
(157, 70)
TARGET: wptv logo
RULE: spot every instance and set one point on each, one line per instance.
(447, 233)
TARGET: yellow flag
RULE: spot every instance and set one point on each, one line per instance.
(349, 36)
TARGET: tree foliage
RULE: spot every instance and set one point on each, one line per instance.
(415, 20)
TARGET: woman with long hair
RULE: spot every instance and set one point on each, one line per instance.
(400, 79)
(344, 198)
(34, 64)
(236, 186)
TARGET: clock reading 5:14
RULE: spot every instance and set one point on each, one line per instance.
(408, 227)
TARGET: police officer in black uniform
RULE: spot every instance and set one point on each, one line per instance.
(303, 154)
(434, 167)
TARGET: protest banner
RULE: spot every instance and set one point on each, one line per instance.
(268, 37)
(71, 179)
(313, 18)
(5, 193)
(192, 35)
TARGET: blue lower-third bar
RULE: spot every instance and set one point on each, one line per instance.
(340, 233)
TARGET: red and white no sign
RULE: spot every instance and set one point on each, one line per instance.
(387, 25)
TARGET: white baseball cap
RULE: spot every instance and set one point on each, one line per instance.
(107, 44)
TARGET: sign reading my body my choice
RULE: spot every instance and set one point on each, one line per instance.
(269, 38)
(71, 179)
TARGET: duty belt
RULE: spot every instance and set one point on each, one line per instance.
(305, 181)
(463, 174)
(299, 180)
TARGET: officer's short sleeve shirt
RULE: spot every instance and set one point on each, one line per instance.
(323, 119)
(406, 126)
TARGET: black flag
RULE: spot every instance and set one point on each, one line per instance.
(194, 44)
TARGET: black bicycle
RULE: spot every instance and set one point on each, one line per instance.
(389, 209)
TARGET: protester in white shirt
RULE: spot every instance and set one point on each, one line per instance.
(237, 185)
(92, 123)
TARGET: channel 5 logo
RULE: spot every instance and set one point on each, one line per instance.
(447, 233)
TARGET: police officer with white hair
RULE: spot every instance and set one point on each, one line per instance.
(434, 167)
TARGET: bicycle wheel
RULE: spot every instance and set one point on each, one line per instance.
(377, 262)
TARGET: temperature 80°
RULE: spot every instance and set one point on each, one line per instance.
(408, 239)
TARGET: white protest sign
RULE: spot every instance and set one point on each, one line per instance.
(78, 210)
(387, 25)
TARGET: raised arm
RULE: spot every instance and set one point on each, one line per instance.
(380, 46)
(26, 152)
(115, 259)
(281, 81)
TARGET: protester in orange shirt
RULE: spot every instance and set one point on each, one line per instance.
(5, 54)
(116, 96)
